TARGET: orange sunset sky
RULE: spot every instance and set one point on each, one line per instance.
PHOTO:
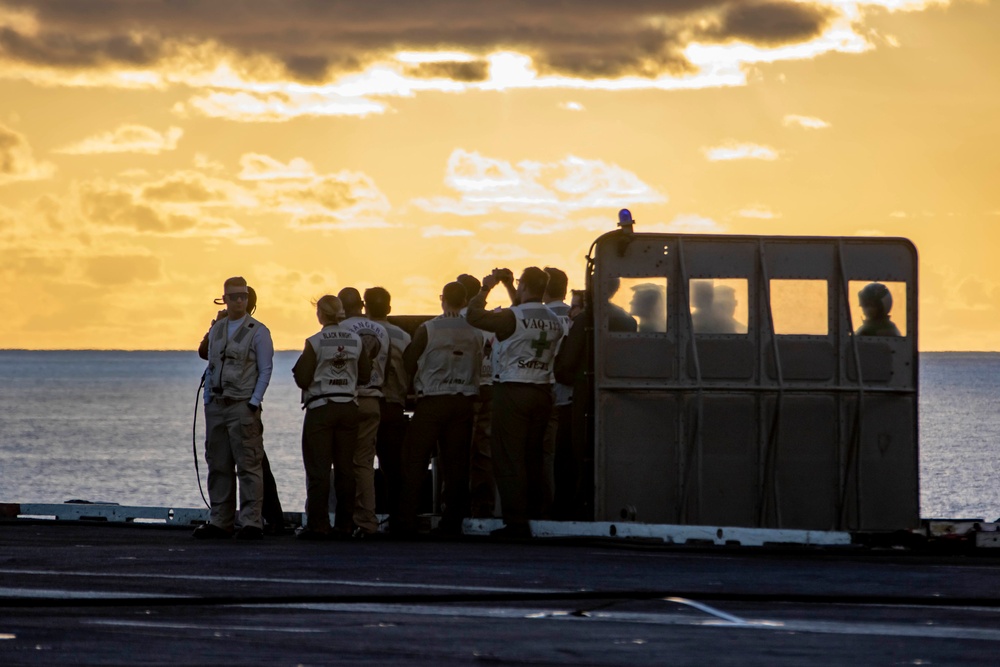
(150, 149)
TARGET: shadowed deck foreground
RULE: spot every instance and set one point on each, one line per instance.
(105, 594)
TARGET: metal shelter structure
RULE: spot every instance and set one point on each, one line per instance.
(780, 416)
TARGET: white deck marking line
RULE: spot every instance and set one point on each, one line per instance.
(201, 626)
(913, 630)
(279, 580)
(729, 618)
(61, 594)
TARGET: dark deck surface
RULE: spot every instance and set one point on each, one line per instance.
(72, 594)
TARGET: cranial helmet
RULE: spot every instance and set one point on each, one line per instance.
(877, 295)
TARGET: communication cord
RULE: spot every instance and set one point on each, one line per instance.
(194, 440)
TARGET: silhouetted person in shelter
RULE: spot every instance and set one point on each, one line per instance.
(649, 306)
(875, 300)
(714, 306)
(618, 319)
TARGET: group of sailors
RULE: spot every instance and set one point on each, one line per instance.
(488, 407)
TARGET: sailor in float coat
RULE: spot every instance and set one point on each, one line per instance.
(240, 355)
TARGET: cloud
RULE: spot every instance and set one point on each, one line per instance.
(256, 107)
(685, 224)
(571, 106)
(486, 184)
(806, 122)
(737, 151)
(273, 60)
(346, 199)
(308, 40)
(175, 206)
(17, 161)
(772, 23)
(759, 212)
(127, 139)
(257, 167)
(330, 223)
(122, 270)
(435, 231)
(499, 252)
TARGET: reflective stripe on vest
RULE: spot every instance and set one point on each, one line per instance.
(233, 361)
(336, 376)
(375, 336)
(397, 382)
(451, 362)
(528, 355)
(562, 393)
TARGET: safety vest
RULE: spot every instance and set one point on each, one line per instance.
(489, 341)
(335, 379)
(374, 335)
(529, 354)
(562, 393)
(397, 383)
(232, 361)
(451, 362)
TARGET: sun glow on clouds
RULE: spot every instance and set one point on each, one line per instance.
(487, 184)
(738, 151)
(231, 85)
(807, 122)
(127, 139)
(17, 159)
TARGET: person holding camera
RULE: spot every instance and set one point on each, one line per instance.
(527, 336)
(240, 355)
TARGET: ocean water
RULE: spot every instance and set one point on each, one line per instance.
(117, 426)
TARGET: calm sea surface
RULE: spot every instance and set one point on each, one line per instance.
(116, 426)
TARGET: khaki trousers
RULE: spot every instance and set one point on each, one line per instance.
(233, 439)
(369, 416)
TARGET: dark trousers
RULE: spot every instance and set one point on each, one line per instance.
(520, 416)
(271, 512)
(567, 468)
(442, 423)
(329, 437)
(482, 488)
(389, 448)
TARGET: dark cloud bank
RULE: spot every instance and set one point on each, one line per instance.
(317, 38)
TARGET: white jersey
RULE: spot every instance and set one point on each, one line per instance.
(335, 379)
(451, 362)
(375, 339)
(529, 354)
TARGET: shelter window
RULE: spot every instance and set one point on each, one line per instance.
(719, 305)
(800, 307)
(639, 304)
(896, 312)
